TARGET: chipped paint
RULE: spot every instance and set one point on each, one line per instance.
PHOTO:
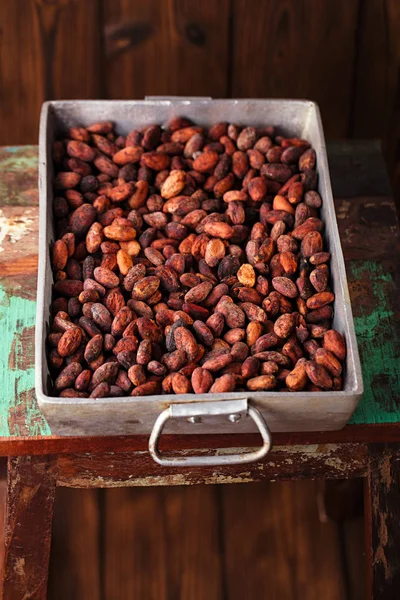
(19, 567)
(381, 516)
(379, 347)
(14, 229)
(18, 182)
(342, 210)
(385, 472)
(18, 408)
(153, 480)
(19, 411)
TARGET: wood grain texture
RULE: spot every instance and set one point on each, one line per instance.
(353, 547)
(76, 69)
(75, 561)
(377, 85)
(203, 542)
(383, 522)
(162, 543)
(285, 552)
(48, 444)
(31, 485)
(123, 469)
(135, 561)
(21, 72)
(191, 519)
(166, 47)
(285, 49)
(376, 100)
(48, 50)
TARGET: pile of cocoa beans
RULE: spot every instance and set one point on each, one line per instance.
(189, 260)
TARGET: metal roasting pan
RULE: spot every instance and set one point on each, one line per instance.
(207, 413)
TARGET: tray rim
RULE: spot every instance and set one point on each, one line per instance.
(352, 396)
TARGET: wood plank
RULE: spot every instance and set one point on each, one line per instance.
(116, 469)
(276, 547)
(31, 486)
(21, 72)
(40, 62)
(192, 527)
(352, 531)
(76, 69)
(292, 49)
(376, 108)
(162, 543)
(371, 285)
(135, 559)
(75, 565)
(383, 523)
(173, 47)
(39, 445)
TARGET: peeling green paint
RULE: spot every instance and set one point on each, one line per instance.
(19, 411)
(375, 326)
(379, 346)
(18, 168)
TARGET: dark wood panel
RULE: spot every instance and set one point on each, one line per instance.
(383, 523)
(352, 531)
(162, 543)
(135, 550)
(76, 68)
(162, 47)
(276, 547)
(377, 83)
(75, 566)
(376, 104)
(209, 542)
(21, 72)
(302, 49)
(192, 525)
(47, 50)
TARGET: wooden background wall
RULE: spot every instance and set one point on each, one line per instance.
(345, 54)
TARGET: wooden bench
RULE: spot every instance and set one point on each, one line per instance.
(368, 447)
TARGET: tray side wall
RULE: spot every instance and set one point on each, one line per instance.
(284, 412)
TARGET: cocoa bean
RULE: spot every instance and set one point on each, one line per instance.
(180, 251)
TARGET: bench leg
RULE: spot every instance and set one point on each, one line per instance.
(31, 486)
(382, 514)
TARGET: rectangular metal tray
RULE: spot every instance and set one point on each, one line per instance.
(291, 411)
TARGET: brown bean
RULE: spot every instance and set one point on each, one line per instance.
(179, 252)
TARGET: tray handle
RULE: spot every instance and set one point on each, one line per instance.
(194, 412)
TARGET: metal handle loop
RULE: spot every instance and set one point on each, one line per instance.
(193, 412)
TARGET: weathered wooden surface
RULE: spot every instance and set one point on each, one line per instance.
(201, 543)
(368, 229)
(31, 485)
(284, 50)
(276, 547)
(265, 49)
(120, 469)
(166, 48)
(383, 522)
